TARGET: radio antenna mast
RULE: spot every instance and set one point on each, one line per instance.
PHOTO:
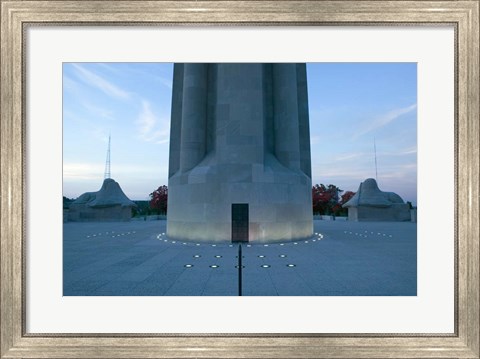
(375, 152)
(107, 162)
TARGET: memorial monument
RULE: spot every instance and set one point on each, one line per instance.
(371, 204)
(239, 165)
(107, 204)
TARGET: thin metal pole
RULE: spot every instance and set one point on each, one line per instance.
(107, 162)
(375, 150)
(239, 269)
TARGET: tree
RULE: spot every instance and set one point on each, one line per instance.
(158, 199)
(347, 196)
(142, 208)
(327, 200)
(324, 198)
(67, 202)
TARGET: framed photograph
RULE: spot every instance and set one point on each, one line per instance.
(149, 85)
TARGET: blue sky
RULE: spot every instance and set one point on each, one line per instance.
(351, 106)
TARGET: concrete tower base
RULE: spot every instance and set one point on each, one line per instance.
(239, 136)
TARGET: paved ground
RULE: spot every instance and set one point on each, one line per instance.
(343, 259)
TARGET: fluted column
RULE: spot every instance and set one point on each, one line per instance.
(194, 115)
(176, 121)
(303, 120)
(285, 114)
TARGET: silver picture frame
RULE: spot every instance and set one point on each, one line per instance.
(16, 16)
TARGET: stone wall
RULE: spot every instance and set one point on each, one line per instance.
(83, 213)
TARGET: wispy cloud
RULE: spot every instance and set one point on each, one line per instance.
(314, 139)
(92, 128)
(402, 152)
(151, 75)
(98, 111)
(82, 171)
(348, 156)
(150, 128)
(164, 81)
(345, 174)
(384, 120)
(407, 151)
(70, 85)
(109, 67)
(99, 82)
(95, 171)
(393, 170)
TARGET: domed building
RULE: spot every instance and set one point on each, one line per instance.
(107, 204)
(372, 204)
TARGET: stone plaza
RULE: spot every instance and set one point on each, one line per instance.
(240, 179)
(343, 258)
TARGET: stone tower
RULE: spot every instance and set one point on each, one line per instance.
(239, 153)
